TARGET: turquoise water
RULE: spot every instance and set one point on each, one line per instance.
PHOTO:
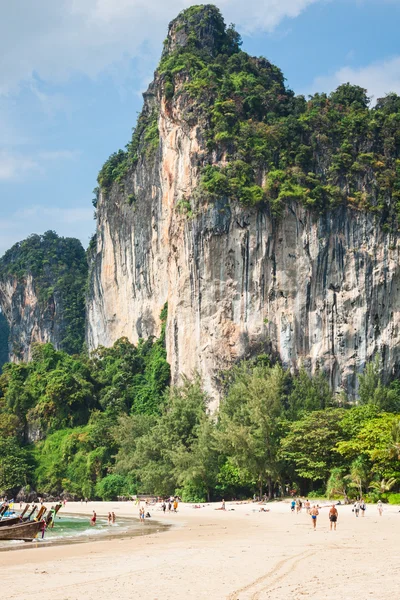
(70, 529)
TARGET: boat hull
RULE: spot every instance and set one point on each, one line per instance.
(24, 531)
(10, 521)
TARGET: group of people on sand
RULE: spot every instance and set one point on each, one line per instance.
(171, 504)
(313, 511)
(359, 506)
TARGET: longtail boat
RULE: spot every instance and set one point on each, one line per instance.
(51, 515)
(10, 521)
(24, 531)
(41, 513)
(4, 522)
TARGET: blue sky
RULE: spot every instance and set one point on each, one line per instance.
(72, 73)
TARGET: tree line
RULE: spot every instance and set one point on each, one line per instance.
(110, 424)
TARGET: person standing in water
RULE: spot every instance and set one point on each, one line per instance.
(109, 519)
(333, 517)
(93, 519)
(113, 518)
(314, 512)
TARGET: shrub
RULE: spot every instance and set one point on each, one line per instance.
(393, 498)
(112, 486)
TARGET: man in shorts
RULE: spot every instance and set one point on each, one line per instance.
(314, 512)
(333, 517)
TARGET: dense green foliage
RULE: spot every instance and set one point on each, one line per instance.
(58, 267)
(265, 145)
(109, 425)
(145, 139)
(71, 404)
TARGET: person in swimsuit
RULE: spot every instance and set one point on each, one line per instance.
(93, 519)
(380, 508)
(314, 512)
(109, 519)
(362, 507)
(333, 517)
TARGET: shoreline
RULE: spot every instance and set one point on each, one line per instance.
(108, 533)
(210, 554)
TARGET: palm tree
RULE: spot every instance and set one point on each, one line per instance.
(383, 485)
(358, 476)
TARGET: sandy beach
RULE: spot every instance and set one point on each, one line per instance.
(238, 554)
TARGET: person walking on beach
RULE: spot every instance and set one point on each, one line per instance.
(363, 506)
(141, 515)
(293, 505)
(307, 504)
(357, 508)
(164, 507)
(314, 512)
(175, 505)
(333, 517)
(169, 505)
(93, 519)
(380, 508)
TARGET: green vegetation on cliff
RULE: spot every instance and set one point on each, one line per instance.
(58, 268)
(323, 152)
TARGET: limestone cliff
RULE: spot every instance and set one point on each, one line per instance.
(42, 292)
(283, 250)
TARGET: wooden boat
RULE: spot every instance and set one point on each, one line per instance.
(23, 531)
(51, 515)
(10, 521)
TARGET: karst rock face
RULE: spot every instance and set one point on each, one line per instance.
(320, 290)
(42, 294)
(30, 320)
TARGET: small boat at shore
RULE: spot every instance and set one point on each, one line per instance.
(24, 531)
(4, 522)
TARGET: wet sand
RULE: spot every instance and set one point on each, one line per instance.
(238, 554)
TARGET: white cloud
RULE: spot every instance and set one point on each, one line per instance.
(56, 39)
(71, 222)
(379, 78)
(14, 165)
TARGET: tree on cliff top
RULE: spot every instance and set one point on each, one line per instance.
(273, 147)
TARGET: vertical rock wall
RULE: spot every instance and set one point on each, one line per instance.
(320, 291)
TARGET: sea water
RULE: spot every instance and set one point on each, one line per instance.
(70, 529)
